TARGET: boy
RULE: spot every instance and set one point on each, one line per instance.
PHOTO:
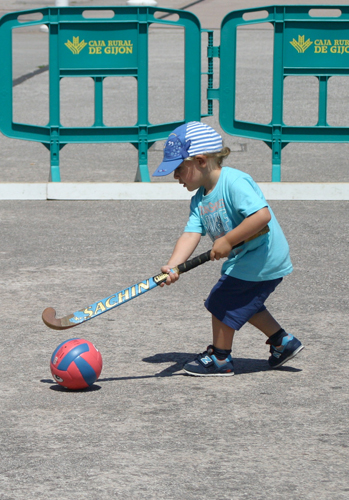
(231, 209)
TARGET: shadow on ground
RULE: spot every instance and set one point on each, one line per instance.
(242, 366)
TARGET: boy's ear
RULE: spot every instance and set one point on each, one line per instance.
(202, 159)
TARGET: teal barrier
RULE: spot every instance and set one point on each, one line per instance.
(98, 48)
(118, 46)
(303, 45)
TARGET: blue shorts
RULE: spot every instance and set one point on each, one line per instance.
(235, 301)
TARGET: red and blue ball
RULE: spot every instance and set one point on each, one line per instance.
(76, 364)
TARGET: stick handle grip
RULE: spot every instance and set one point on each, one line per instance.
(195, 262)
(183, 268)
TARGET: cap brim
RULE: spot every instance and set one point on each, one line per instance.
(167, 167)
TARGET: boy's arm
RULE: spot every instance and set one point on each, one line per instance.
(248, 227)
(183, 249)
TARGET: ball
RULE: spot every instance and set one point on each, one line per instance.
(76, 364)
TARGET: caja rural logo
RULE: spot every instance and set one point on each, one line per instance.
(100, 46)
(321, 46)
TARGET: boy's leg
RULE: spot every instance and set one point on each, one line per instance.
(222, 334)
(283, 346)
(216, 361)
(265, 322)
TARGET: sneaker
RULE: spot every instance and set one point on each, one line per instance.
(290, 348)
(207, 365)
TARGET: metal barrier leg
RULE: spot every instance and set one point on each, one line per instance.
(142, 174)
(55, 175)
(276, 161)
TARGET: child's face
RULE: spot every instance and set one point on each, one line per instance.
(189, 175)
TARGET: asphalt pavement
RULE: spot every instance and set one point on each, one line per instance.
(145, 429)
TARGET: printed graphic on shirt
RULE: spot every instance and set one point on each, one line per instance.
(215, 219)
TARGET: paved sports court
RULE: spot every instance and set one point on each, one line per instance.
(145, 430)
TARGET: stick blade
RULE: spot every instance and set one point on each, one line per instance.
(50, 320)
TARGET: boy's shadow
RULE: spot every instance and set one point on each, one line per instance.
(241, 365)
(178, 359)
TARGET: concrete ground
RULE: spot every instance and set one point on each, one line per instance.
(145, 430)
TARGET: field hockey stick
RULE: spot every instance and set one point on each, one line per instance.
(119, 298)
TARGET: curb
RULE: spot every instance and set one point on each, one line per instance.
(308, 191)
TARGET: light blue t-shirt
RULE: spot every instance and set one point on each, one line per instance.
(235, 197)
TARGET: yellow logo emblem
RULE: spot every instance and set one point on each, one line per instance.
(301, 45)
(76, 46)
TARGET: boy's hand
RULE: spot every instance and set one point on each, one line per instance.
(172, 277)
(221, 248)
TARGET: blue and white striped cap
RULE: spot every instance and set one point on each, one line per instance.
(190, 139)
